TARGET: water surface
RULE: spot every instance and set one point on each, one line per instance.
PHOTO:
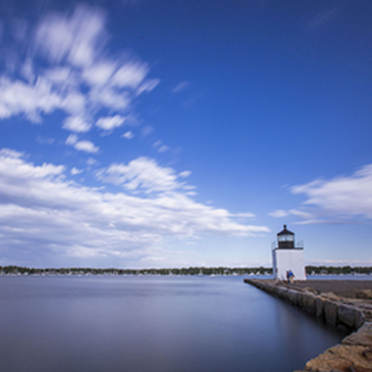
(152, 324)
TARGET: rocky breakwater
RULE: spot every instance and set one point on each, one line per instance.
(354, 354)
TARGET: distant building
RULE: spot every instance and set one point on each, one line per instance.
(287, 257)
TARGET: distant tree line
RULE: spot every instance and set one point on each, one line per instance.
(310, 270)
(17, 270)
(338, 270)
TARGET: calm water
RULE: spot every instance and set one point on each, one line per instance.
(152, 324)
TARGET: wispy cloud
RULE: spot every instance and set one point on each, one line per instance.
(180, 87)
(147, 130)
(73, 39)
(128, 135)
(44, 209)
(279, 213)
(74, 171)
(160, 146)
(77, 75)
(322, 18)
(242, 215)
(143, 174)
(163, 148)
(45, 140)
(337, 199)
(185, 173)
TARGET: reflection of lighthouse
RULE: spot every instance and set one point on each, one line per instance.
(286, 257)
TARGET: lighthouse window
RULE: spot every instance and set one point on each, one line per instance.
(286, 238)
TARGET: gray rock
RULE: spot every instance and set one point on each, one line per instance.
(281, 292)
(300, 299)
(330, 312)
(347, 315)
(291, 296)
(340, 358)
(362, 337)
(319, 307)
(309, 303)
(359, 320)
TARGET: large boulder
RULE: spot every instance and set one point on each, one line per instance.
(359, 319)
(362, 337)
(348, 315)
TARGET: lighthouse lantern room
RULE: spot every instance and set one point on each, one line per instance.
(288, 258)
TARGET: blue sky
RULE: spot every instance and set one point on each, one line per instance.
(179, 133)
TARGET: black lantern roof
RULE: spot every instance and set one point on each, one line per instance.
(285, 231)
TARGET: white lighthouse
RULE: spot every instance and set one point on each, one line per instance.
(286, 257)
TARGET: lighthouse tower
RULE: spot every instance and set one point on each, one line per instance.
(287, 257)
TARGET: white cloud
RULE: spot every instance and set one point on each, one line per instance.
(17, 97)
(279, 213)
(130, 75)
(142, 174)
(78, 77)
(41, 210)
(84, 145)
(99, 73)
(75, 171)
(71, 139)
(9, 153)
(74, 103)
(110, 98)
(76, 124)
(147, 86)
(91, 161)
(74, 38)
(27, 71)
(160, 147)
(302, 213)
(340, 197)
(184, 173)
(59, 74)
(242, 215)
(128, 135)
(110, 122)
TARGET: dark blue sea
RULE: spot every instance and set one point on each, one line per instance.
(167, 324)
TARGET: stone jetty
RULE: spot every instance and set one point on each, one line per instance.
(354, 354)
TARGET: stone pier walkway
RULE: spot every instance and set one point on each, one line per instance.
(354, 354)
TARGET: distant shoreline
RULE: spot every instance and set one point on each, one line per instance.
(312, 271)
